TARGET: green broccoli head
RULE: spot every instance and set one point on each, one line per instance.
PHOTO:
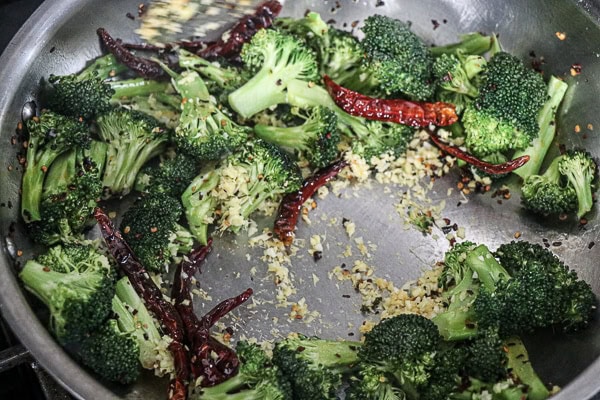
(87, 93)
(78, 292)
(315, 366)
(71, 191)
(581, 171)
(317, 138)
(486, 357)
(50, 135)
(112, 353)
(452, 76)
(549, 193)
(206, 132)
(399, 60)
(572, 298)
(270, 173)
(370, 383)
(455, 270)
(172, 176)
(150, 227)
(275, 58)
(128, 341)
(377, 138)
(133, 139)
(503, 117)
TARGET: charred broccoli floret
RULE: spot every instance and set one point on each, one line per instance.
(50, 135)
(150, 227)
(71, 191)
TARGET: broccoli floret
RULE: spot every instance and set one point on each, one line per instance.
(397, 58)
(77, 287)
(503, 117)
(317, 138)
(204, 131)
(50, 135)
(339, 53)
(244, 180)
(150, 227)
(371, 383)
(133, 139)
(257, 379)
(172, 176)
(549, 193)
(467, 268)
(456, 77)
(71, 191)
(275, 58)
(129, 340)
(314, 366)
(577, 301)
(520, 288)
(486, 357)
(405, 348)
(547, 124)
(370, 138)
(92, 91)
(220, 79)
(580, 170)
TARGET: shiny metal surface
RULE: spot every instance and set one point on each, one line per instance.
(60, 37)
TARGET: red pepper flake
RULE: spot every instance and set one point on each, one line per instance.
(575, 69)
(19, 253)
(435, 23)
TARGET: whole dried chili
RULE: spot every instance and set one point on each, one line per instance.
(242, 32)
(153, 298)
(291, 204)
(210, 359)
(142, 66)
(488, 168)
(412, 113)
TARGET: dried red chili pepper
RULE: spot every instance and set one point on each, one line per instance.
(488, 168)
(153, 298)
(142, 66)
(242, 32)
(210, 359)
(291, 204)
(405, 112)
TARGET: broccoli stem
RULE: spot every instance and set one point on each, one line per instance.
(518, 362)
(137, 87)
(270, 87)
(199, 204)
(304, 94)
(470, 43)
(293, 136)
(547, 122)
(103, 67)
(488, 269)
(60, 174)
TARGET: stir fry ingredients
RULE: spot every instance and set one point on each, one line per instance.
(209, 135)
